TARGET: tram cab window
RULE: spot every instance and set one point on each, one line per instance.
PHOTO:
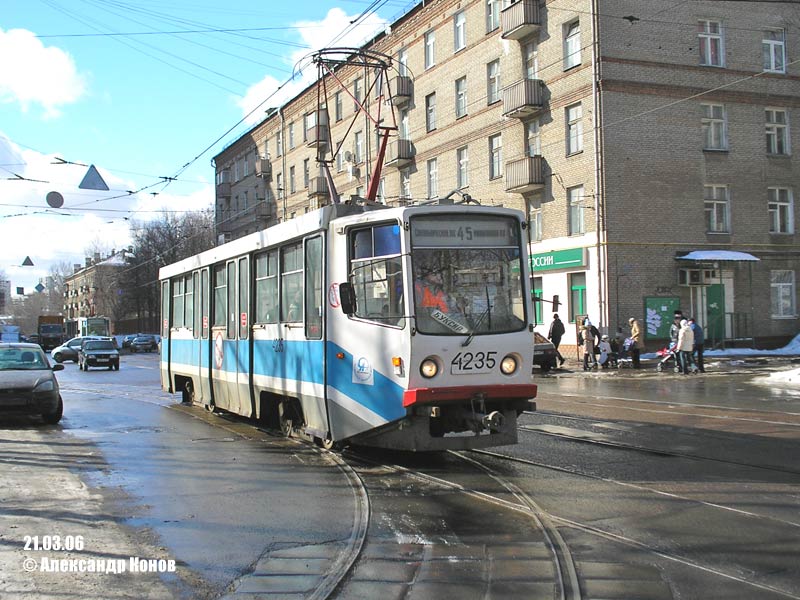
(376, 273)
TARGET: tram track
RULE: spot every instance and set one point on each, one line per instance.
(636, 544)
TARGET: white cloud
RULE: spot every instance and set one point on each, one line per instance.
(37, 74)
(29, 227)
(315, 35)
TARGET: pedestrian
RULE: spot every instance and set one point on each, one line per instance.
(636, 347)
(555, 334)
(675, 328)
(699, 344)
(586, 340)
(596, 336)
(605, 352)
(685, 346)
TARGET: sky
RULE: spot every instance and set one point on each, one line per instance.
(147, 92)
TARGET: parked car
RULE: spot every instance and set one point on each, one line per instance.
(28, 382)
(544, 352)
(98, 353)
(144, 343)
(126, 341)
(69, 350)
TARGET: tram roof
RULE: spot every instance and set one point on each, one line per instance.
(308, 223)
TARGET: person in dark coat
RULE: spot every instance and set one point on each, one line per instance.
(675, 328)
(555, 334)
(699, 344)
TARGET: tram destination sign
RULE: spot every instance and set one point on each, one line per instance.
(448, 231)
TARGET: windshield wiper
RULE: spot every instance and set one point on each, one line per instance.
(479, 322)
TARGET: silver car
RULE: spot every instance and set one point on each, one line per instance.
(69, 350)
(28, 383)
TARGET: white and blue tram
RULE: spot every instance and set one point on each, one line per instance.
(323, 326)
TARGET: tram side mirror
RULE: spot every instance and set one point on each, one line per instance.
(347, 296)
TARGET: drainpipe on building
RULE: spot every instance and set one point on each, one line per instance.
(282, 191)
(599, 179)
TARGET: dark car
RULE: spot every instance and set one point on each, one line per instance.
(69, 350)
(544, 352)
(98, 353)
(126, 341)
(144, 343)
(28, 383)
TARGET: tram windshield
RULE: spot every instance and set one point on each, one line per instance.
(467, 276)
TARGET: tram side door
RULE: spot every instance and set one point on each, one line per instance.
(202, 321)
(223, 336)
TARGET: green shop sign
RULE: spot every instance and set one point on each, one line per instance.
(558, 259)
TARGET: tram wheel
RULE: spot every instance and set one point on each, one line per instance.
(188, 392)
(329, 444)
(209, 407)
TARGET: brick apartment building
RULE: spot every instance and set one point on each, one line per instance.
(652, 149)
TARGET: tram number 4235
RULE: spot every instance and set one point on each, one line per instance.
(473, 362)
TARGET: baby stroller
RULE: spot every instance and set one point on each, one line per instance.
(623, 358)
(670, 353)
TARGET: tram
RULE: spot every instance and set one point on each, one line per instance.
(405, 328)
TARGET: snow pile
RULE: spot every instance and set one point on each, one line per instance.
(790, 349)
(785, 377)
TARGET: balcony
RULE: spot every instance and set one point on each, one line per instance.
(523, 99)
(318, 186)
(402, 89)
(264, 168)
(400, 153)
(224, 189)
(525, 175)
(520, 20)
(317, 136)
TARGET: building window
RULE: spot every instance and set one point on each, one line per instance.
(777, 124)
(492, 15)
(339, 157)
(358, 148)
(714, 124)
(404, 127)
(309, 121)
(574, 115)
(774, 50)
(430, 112)
(572, 44)
(781, 210)
(459, 31)
(535, 220)
(715, 199)
(291, 136)
(279, 143)
(405, 184)
(244, 201)
(461, 97)
(783, 294)
(530, 56)
(305, 173)
(575, 204)
(710, 41)
(533, 141)
(402, 62)
(495, 156)
(247, 164)
(430, 49)
(462, 167)
(577, 295)
(292, 187)
(493, 82)
(279, 185)
(433, 179)
(356, 93)
(381, 194)
(337, 103)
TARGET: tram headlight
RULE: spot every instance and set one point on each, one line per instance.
(508, 365)
(428, 368)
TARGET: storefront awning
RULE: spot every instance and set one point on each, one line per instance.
(719, 255)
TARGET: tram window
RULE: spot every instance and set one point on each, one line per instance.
(377, 274)
(244, 293)
(204, 302)
(177, 302)
(220, 297)
(267, 287)
(292, 283)
(196, 305)
(188, 302)
(313, 272)
(165, 308)
(232, 320)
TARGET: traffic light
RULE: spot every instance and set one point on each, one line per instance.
(555, 302)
